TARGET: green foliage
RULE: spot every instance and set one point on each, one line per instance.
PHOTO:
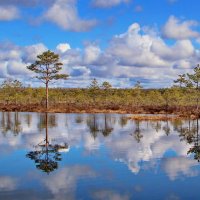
(181, 80)
(94, 85)
(113, 99)
(11, 83)
(47, 66)
(106, 85)
(194, 79)
(138, 85)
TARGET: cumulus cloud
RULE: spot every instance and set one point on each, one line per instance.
(107, 4)
(15, 68)
(178, 166)
(30, 52)
(7, 183)
(68, 17)
(63, 183)
(15, 59)
(8, 13)
(180, 30)
(182, 49)
(136, 54)
(91, 53)
(134, 49)
(151, 149)
(63, 47)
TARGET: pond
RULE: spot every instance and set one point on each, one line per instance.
(97, 156)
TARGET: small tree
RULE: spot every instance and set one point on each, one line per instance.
(106, 85)
(47, 66)
(11, 89)
(194, 81)
(138, 85)
(94, 89)
(181, 80)
(11, 83)
(94, 84)
(195, 78)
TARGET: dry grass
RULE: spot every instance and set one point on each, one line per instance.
(159, 117)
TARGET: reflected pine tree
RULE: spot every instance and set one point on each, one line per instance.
(93, 125)
(137, 132)
(195, 149)
(52, 121)
(177, 124)
(17, 124)
(166, 128)
(47, 155)
(10, 124)
(79, 119)
(187, 133)
(156, 125)
(28, 119)
(107, 130)
(123, 120)
(190, 134)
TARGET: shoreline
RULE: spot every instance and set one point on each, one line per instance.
(138, 114)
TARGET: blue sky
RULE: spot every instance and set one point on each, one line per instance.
(121, 41)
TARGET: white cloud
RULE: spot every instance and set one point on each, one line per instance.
(7, 183)
(182, 49)
(8, 13)
(178, 166)
(63, 182)
(180, 30)
(30, 52)
(63, 47)
(91, 53)
(15, 68)
(14, 59)
(151, 149)
(134, 54)
(107, 4)
(64, 13)
(134, 49)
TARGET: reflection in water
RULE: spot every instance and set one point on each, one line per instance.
(123, 120)
(166, 128)
(107, 129)
(137, 133)
(194, 138)
(46, 155)
(110, 157)
(11, 124)
(28, 118)
(93, 125)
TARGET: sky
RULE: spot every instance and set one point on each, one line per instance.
(120, 41)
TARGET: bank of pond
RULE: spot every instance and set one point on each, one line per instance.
(181, 101)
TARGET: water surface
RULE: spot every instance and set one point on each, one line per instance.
(97, 156)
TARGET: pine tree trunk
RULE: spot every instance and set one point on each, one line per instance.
(46, 121)
(47, 96)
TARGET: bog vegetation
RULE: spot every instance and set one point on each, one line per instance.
(182, 98)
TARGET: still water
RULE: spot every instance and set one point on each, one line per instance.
(97, 156)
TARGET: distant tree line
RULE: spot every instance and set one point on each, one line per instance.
(14, 96)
